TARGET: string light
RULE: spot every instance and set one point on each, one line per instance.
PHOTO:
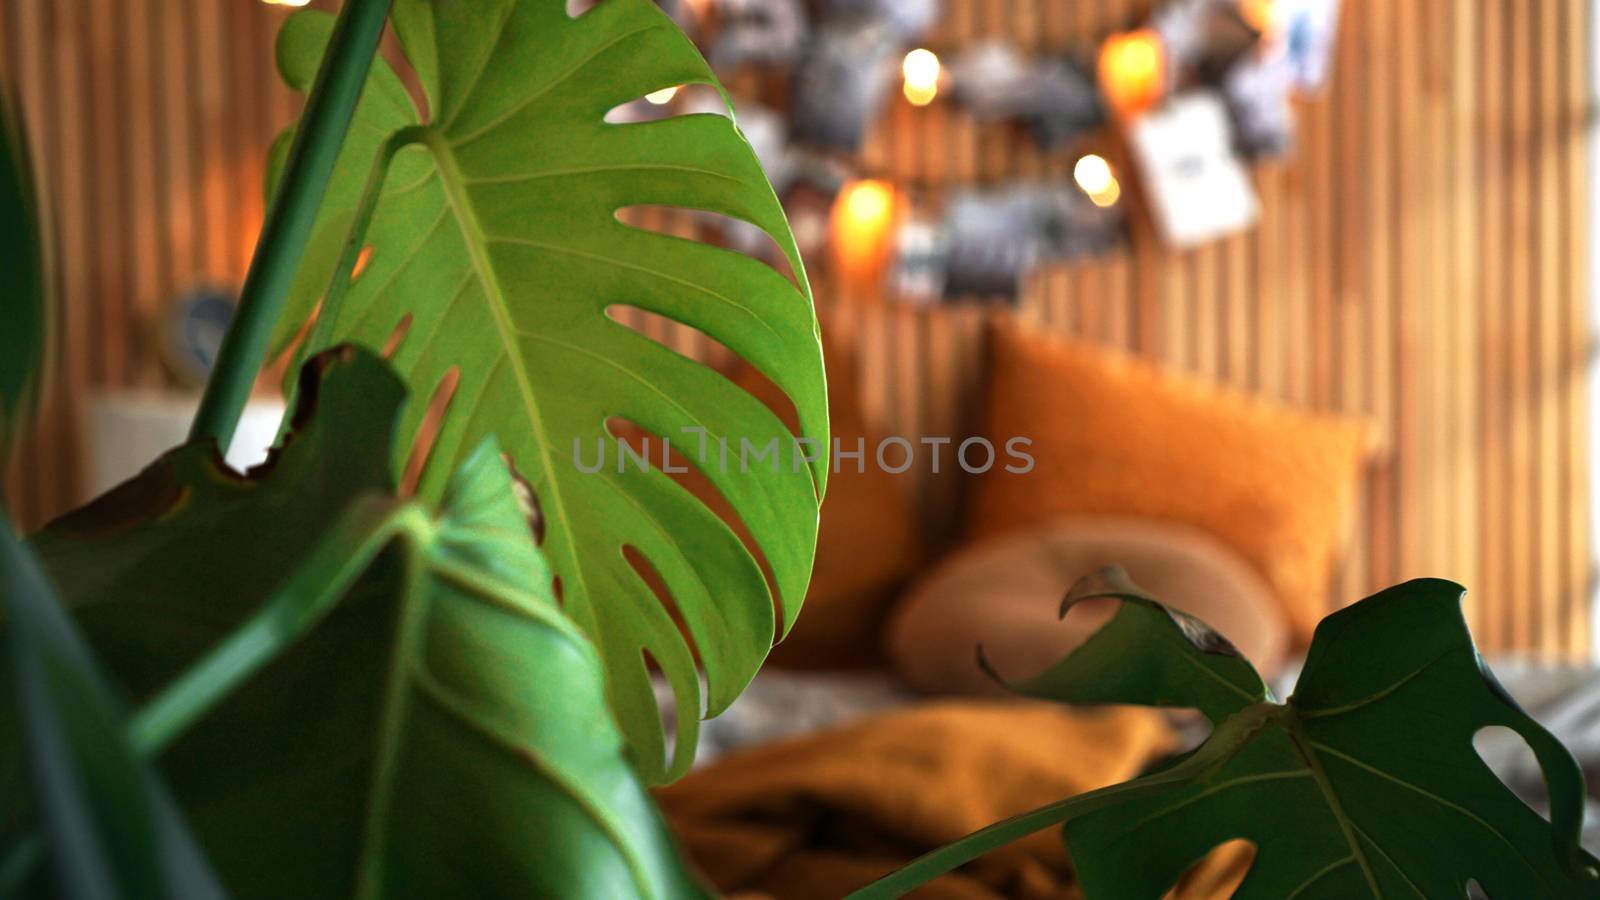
(867, 203)
(921, 71)
(1095, 177)
(1132, 69)
(663, 96)
(863, 217)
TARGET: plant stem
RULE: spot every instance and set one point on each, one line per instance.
(322, 330)
(293, 611)
(287, 228)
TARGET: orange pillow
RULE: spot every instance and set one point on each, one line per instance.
(1114, 435)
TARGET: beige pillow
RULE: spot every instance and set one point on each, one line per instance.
(1005, 595)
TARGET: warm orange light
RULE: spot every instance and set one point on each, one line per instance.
(867, 203)
(1261, 14)
(921, 72)
(1132, 70)
(663, 96)
(1095, 177)
(863, 219)
(286, 2)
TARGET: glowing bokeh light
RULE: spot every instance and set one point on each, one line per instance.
(1093, 174)
(863, 223)
(1132, 70)
(921, 70)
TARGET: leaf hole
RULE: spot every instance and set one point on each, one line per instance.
(652, 579)
(670, 101)
(712, 228)
(576, 8)
(362, 259)
(665, 457)
(428, 431)
(396, 337)
(758, 385)
(668, 710)
(1217, 874)
(676, 336)
(286, 356)
(1475, 891)
(703, 348)
(1512, 761)
(557, 590)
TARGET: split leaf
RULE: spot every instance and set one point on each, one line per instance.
(496, 238)
(1364, 784)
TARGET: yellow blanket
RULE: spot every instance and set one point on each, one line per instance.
(822, 815)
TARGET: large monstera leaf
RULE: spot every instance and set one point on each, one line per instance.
(496, 239)
(353, 694)
(1364, 784)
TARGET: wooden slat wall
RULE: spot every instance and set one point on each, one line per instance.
(150, 120)
(1420, 259)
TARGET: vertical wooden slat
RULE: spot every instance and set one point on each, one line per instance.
(1369, 346)
(1550, 592)
(1465, 301)
(1420, 258)
(1578, 552)
(1518, 384)
(1495, 589)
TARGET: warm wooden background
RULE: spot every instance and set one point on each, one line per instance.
(1420, 259)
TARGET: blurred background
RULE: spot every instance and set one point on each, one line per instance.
(1359, 211)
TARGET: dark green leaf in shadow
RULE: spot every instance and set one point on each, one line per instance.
(108, 824)
(353, 695)
(1364, 784)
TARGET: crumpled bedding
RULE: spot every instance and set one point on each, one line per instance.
(814, 785)
(821, 815)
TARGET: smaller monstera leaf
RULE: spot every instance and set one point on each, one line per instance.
(500, 258)
(1364, 784)
(108, 823)
(354, 695)
(1147, 654)
(24, 306)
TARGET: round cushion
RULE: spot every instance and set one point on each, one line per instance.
(1005, 595)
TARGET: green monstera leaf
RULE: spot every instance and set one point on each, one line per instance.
(420, 718)
(110, 827)
(497, 250)
(1364, 783)
(24, 310)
